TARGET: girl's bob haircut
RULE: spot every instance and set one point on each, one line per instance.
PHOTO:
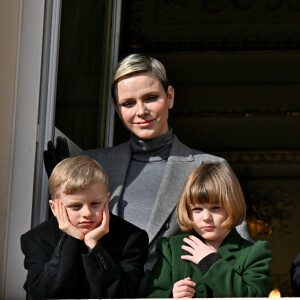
(213, 183)
(74, 174)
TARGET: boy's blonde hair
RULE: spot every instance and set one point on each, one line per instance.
(213, 183)
(75, 174)
(135, 63)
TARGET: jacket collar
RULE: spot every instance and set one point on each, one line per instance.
(168, 194)
(176, 171)
(230, 244)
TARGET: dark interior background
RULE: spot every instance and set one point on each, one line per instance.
(234, 66)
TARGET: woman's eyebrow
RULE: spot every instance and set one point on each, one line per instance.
(125, 100)
(151, 93)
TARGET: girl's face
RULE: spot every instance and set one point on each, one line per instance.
(207, 219)
(143, 105)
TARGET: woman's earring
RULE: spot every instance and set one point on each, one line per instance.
(170, 106)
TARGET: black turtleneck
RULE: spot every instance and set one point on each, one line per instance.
(144, 175)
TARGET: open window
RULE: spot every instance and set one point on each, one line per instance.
(80, 50)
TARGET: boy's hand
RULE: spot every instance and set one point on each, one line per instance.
(96, 234)
(64, 222)
(196, 248)
(183, 288)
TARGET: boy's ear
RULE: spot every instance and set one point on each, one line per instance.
(108, 195)
(52, 206)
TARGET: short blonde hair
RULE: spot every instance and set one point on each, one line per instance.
(75, 174)
(135, 63)
(214, 183)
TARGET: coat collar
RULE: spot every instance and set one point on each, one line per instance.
(176, 171)
(168, 194)
(230, 244)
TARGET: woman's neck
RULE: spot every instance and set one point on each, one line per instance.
(153, 149)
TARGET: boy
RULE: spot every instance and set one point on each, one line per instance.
(84, 251)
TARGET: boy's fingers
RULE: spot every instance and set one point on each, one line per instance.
(64, 211)
(106, 214)
(60, 209)
(62, 215)
(57, 209)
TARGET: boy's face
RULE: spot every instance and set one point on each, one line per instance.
(85, 208)
(208, 219)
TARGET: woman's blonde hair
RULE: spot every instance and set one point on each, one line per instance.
(75, 174)
(135, 63)
(213, 183)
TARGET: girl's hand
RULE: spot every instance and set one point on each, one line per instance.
(183, 288)
(196, 248)
(96, 234)
(64, 223)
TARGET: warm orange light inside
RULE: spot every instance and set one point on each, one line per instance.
(275, 293)
(256, 227)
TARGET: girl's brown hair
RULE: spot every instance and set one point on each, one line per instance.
(214, 183)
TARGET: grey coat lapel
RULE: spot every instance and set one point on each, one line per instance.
(179, 166)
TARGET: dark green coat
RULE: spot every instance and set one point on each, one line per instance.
(242, 271)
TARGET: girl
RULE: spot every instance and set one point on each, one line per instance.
(214, 260)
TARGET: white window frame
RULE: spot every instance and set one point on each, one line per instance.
(35, 91)
(26, 103)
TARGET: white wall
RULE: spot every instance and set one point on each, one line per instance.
(9, 12)
(22, 156)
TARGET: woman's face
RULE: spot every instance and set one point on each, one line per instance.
(143, 105)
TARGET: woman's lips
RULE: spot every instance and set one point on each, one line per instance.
(145, 123)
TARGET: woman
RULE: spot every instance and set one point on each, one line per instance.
(146, 174)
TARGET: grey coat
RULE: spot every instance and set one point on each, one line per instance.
(181, 162)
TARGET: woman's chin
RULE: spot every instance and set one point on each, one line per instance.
(147, 134)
